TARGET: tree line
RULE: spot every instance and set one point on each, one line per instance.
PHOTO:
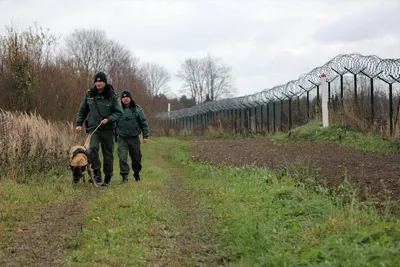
(38, 74)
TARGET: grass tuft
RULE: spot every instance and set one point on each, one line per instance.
(345, 136)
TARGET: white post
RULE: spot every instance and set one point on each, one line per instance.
(169, 109)
(324, 90)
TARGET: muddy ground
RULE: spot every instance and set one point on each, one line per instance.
(42, 243)
(372, 173)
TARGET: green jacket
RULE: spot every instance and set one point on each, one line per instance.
(133, 122)
(96, 107)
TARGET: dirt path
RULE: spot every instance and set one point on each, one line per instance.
(41, 244)
(372, 173)
(193, 238)
(189, 239)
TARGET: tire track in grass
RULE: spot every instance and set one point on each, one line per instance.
(191, 237)
(43, 242)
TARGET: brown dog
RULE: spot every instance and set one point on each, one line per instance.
(79, 164)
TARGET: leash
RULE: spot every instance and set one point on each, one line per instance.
(87, 141)
(87, 146)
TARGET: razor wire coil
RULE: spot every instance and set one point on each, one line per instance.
(371, 66)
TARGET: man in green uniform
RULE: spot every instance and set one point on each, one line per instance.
(132, 123)
(100, 105)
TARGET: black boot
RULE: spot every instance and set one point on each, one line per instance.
(97, 176)
(107, 180)
(137, 176)
(124, 179)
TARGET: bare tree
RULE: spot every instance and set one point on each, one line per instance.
(206, 78)
(91, 51)
(32, 66)
(219, 80)
(22, 54)
(156, 78)
(88, 50)
(119, 62)
(191, 73)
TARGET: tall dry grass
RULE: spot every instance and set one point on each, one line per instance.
(358, 114)
(30, 144)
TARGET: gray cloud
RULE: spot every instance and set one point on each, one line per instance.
(189, 36)
(267, 43)
(199, 27)
(364, 24)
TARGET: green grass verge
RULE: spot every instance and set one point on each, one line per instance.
(366, 141)
(272, 220)
(120, 219)
(20, 204)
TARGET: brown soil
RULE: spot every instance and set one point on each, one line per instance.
(41, 244)
(372, 173)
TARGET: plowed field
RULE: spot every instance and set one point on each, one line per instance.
(376, 174)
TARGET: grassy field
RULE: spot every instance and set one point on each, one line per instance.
(277, 220)
(186, 213)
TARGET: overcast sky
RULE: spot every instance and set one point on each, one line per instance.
(267, 43)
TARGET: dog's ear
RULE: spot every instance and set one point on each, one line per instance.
(83, 168)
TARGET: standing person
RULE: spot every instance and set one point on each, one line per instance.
(100, 105)
(132, 123)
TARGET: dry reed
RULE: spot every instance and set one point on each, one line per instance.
(30, 144)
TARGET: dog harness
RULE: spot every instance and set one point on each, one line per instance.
(81, 151)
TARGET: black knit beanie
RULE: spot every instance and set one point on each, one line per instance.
(126, 93)
(100, 76)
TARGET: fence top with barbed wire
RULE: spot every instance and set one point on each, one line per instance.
(372, 66)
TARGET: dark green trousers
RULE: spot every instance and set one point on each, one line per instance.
(129, 146)
(106, 139)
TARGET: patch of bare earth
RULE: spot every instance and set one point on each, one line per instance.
(42, 243)
(193, 238)
(373, 173)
